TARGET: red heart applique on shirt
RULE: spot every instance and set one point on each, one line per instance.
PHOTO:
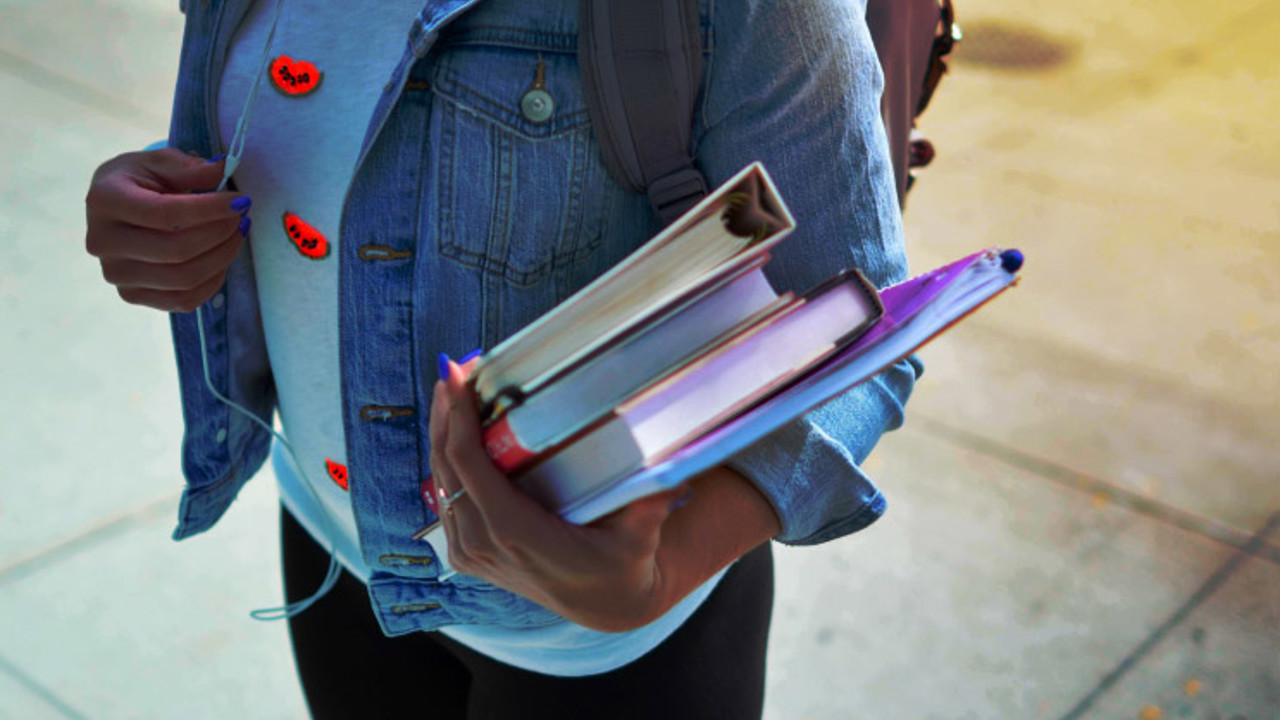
(310, 241)
(337, 473)
(294, 77)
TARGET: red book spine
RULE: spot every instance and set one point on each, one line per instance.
(428, 490)
(504, 447)
(501, 445)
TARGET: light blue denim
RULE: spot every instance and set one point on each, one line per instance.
(492, 218)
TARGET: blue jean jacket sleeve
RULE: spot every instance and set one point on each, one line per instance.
(222, 449)
(797, 85)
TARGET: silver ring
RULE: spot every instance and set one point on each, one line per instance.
(447, 502)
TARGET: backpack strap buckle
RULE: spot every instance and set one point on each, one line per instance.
(674, 193)
(641, 65)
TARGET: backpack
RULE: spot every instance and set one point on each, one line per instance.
(641, 66)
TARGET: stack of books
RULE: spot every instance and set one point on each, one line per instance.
(684, 354)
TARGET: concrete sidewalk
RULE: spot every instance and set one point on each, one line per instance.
(1084, 508)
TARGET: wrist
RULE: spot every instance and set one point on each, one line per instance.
(725, 518)
(613, 605)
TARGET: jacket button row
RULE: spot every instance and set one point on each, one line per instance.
(401, 560)
(382, 252)
(414, 607)
(383, 412)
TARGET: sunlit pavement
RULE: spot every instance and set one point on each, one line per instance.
(1083, 501)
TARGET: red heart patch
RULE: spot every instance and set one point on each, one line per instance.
(310, 242)
(337, 473)
(294, 77)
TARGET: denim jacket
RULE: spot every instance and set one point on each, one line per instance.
(466, 219)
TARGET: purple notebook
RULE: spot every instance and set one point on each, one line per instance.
(915, 311)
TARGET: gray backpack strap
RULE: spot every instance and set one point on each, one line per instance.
(641, 64)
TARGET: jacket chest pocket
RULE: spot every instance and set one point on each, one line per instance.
(520, 190)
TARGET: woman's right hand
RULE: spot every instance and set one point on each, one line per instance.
(161, 243)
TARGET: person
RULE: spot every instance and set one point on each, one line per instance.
(400, 202)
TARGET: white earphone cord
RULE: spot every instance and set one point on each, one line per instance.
(242, 123)
(335, 569)
(233, 161)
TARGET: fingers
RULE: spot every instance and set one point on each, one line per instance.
(174, 301)
(161, 245)
(441, 473)
(182, 173)
(469, 362)
(502, 505)
(134, 204)
(134, 245)
(441, 477)
(154, 190)
(446, 473)
(179, 278)
(494, 525)
(465, 527)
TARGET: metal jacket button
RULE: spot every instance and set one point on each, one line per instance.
(537, 105)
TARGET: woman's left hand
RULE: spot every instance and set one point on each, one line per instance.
(604, 576)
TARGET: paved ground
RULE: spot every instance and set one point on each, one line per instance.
(1084, 502)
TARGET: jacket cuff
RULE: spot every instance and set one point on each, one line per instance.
(808, 469)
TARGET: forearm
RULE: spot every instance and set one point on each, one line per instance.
(725, 518)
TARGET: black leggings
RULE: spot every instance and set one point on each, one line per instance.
(711, 667)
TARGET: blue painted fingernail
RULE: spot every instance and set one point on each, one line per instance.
(444, 366)
(469, 357)
(216, 159)
(241, 204)
(1011, 260)
(245, 224)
